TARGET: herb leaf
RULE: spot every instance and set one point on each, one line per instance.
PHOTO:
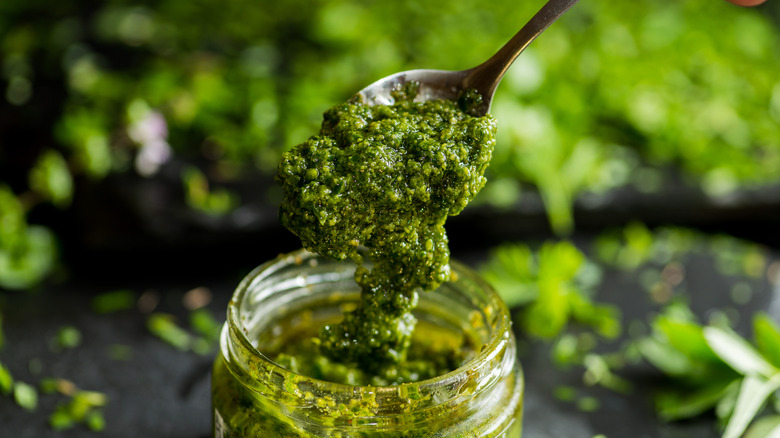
(164, 327)
(767, 336)
(25, 396)
(752, 394)
(6, 380)
(664, 357)
(686, 337)
(674, 405)
(737, 353)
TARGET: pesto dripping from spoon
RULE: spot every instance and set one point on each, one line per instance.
(484, 78)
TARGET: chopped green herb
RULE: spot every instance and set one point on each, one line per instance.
(48, 386)
(688, 403)
(566, 350)
(83, 407)
(6, 380)
(25, 395)
(67, 337)
(202, 346)
(95, 421)
(554, 286)
(767, 338)
(202, 321)
(164, 327)
(598, 372)
(61, 419)
(52, 385)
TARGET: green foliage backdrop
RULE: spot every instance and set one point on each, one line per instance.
(610, 96)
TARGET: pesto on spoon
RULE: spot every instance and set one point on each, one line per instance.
(384, 178)
(385, 171)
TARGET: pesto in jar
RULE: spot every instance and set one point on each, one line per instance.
(384, 178)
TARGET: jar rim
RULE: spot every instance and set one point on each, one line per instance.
(484, 359)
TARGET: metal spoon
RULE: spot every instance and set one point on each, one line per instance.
(443, 84)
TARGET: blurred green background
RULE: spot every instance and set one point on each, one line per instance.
(630, 215)
(646, 96)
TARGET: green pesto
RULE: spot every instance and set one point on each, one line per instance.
(434, 351)
(384, 178)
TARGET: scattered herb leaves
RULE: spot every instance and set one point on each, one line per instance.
(66, 337)
(25, 395)
(552, 287)
(6, 380)
(164, 326)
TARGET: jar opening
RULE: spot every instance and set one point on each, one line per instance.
(301, 284)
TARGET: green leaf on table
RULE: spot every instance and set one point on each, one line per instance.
(204, 323)
(752, 394)
(82, 407)
(48, 385)
(25, 396)
(67, 337)
(604, 318)
(547, 315)
(566, 350)
(737, 353)
(95, 421)
(679, 405)
(598, 372)
(559, 261)
(767, 337)
(164, 327)
(550, 284)
(687, 337)
(628, 249)
(665, 357)
(6, 380)
(61, 419)
(511, 270)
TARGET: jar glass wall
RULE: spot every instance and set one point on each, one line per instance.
(253, 396)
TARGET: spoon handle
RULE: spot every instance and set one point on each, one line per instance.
(486, 76)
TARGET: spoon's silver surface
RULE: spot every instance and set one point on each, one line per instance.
(444, 84)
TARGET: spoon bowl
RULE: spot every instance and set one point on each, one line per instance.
(448, 85)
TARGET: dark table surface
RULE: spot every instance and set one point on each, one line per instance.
(159, 391)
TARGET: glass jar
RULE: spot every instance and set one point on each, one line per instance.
(254, 397)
